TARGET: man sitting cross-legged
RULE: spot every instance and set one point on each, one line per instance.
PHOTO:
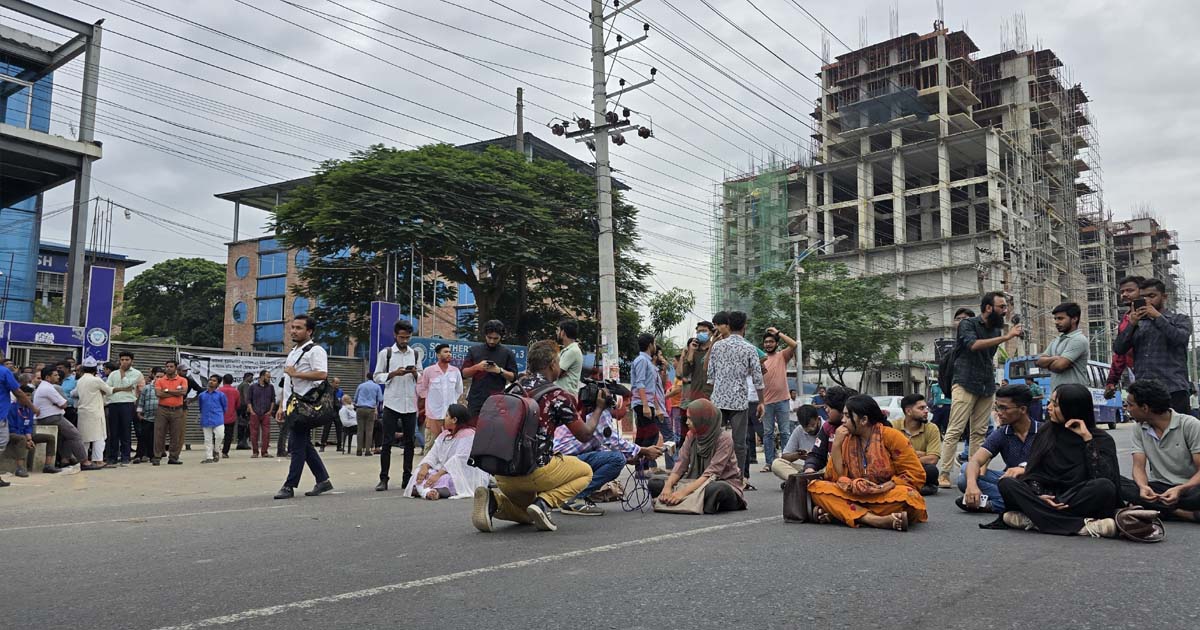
(799, 444)
(1012, 441)
(925, 437)
(1170, 443)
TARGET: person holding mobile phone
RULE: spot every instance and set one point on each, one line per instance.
(1128, 290)
(1158, 338)
(396, 369)
(491, 366)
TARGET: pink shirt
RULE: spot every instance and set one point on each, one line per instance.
(775, 387)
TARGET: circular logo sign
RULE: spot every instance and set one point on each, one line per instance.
(97, 336)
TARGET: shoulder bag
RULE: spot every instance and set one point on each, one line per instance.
(691, 504)
(314, 408)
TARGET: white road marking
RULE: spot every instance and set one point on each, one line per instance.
(138, 519)
(258, 613)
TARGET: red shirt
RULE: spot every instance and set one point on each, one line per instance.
(231, 396)
(1120, 362)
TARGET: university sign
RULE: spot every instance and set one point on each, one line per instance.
(93, 338)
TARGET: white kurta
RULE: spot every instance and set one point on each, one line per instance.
(91, 391)
(451, 454)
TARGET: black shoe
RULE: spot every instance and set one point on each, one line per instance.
(5, 484)
(539, 513)
(21, 472)
(319, 489)
(966, 508)
(174, 461)
(217, 456)
(381, 486)
(285, 493)
(155, 462)
(928, 491)
(51, 470)
(136, 460)
(483, 509)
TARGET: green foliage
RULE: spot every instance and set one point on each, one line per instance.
(522, 235)
(181, 298)
(669, 308)
(846, 323)
(51, 313)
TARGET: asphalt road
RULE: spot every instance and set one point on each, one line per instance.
(361, 559)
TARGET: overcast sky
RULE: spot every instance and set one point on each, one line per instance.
(1136, 64)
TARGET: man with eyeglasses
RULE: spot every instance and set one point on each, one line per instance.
(1012, 441)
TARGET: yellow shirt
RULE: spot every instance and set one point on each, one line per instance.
(927, 440)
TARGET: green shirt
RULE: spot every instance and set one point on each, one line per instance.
(1072, 346)
(1169, 458)
(132, 377)
(570, 360)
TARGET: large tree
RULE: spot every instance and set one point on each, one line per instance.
(181, 299)
(846, 323)
(522, 235)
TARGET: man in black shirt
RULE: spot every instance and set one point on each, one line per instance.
(490, 366)
(972, 395)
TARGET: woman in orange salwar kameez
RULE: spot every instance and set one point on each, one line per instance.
(873, 474)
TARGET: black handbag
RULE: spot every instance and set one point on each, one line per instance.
(314, 408)
(797, 507)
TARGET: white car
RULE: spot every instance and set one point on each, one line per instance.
(891, 406)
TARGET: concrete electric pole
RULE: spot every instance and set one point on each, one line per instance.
(596, 133)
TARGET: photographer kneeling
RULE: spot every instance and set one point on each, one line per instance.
(606, 452)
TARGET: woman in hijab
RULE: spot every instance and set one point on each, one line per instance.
(707, 456)
(1069, 485)
(444, 472)
(873, 477)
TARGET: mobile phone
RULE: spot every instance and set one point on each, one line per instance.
(490, 363)
(1138, 303)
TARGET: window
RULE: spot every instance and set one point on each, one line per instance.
(242, 267)
(269, 245)
(272, 264)
(270, 310)
(268, 333)
(269, 347)
(302, 257)
(239, 312)
(466, 297)
(300, 306)
(272, 287)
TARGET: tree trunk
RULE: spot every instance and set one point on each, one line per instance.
(522, 307)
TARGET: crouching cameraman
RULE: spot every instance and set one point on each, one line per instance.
(606, 452)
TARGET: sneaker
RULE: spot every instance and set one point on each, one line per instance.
(321, 488)
(254, 456)
(51, 470)
(581, 507)
(174, 462)
(217, 456)
(155, 462)
(21, 472)
(70, 470)
(944, 481)
(207, 461)
(539, 513)
(483, 510)
(4, 484)
(285, 493)
(927, 491)
(966, 508)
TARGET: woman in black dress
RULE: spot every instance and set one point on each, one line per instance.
(1069, 485)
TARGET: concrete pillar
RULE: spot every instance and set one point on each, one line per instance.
(899, 218)
(944, 188)
(866, 215)
(993, 167)
(811, 190)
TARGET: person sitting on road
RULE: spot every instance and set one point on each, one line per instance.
(707, 463)
(607, 453)
(799, 444)
(835, 401)
(444, 472)
(557, 478)
(1012, 442)
(1069, 486)
(925, 437)
(873, 474)
(1170, 443)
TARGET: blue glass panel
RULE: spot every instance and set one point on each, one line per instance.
(242, 267)
(271, 287)
(302, 257)
(270, 310)
(466, 297)
(269, 244)
(239, 312)
(267, 333)
(272, 264)
(300, 306)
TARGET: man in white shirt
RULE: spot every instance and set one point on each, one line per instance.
(51, 405)
(306, 367)
(397, 368)
(441, 385)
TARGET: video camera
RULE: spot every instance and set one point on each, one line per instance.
(590, 388)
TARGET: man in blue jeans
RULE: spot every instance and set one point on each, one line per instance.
(606, 453)
(1012, 441)
(777, 400)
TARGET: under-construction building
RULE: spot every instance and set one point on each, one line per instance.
(952, 174)
(1143, 247)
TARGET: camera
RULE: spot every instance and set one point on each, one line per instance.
(589, 389)
(669, 449)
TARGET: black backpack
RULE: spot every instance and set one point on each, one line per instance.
(945, 379)
(506, 440)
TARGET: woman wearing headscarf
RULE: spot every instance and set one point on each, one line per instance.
(873, 476)
(1069, 485)
(444, 472)
(706, 463)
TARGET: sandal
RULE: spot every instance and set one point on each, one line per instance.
(764, 469)
(820, 516)
(900, 521)
(748, 488)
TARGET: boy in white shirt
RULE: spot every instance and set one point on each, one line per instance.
(349, 419)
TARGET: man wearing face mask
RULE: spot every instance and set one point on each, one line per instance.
(924, 436)
(695, 373)
(835, 404)
(975, 377)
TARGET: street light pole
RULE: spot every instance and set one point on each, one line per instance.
(819, 246)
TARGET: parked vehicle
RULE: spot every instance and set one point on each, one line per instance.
(1108, 410)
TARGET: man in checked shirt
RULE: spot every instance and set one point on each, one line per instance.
(1159, 338)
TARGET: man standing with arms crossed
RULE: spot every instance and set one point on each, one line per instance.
(171, 415)
(306, 366)
(974, 378)
(126, 383)
(396, 368)
(260, 404)
(1067, 356)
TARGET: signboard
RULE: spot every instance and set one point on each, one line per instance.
(53, 263)
(201, 366)
(93, 336)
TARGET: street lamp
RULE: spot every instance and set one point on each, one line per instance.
(820, 246)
